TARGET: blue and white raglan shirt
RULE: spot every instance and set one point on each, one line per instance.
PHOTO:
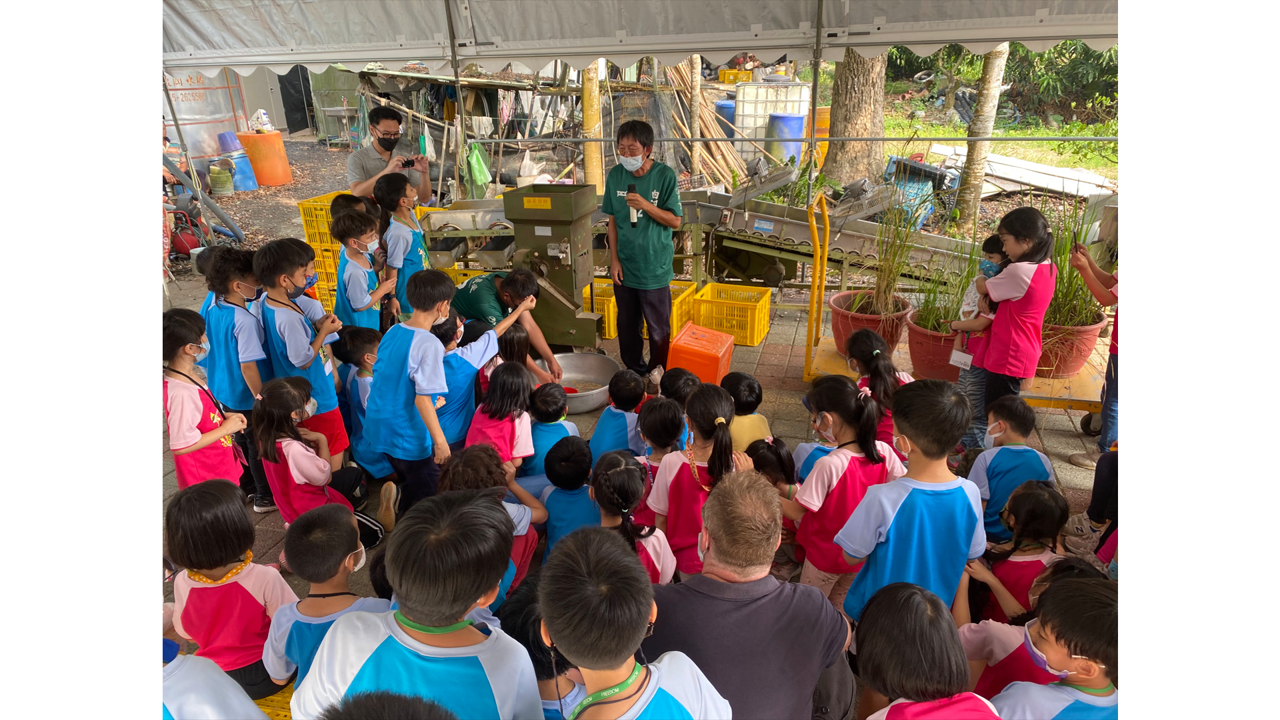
(288, 346)
(484, 620)
(312, 308)
(235, 337)
(678, 689)
(367, 652)
(806, 456)
(1029, 701)
(356, 389)
(559, 710)
(532, 475)
(567, 510)
(196, 688)
(295, 638)
(997, 473)
(615, 430)
(916, 532)
(410, 363)
(461, 366)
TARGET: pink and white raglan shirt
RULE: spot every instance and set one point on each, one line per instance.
(230, 620)
(832, 491)
(300, 479)
(1013, 340)
(1017, 573)
(965, 706)
(656, 557)
(1003, 649)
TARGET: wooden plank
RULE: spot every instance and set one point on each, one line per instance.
(1068, 181)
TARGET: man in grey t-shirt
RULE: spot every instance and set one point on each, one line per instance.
(388, 153)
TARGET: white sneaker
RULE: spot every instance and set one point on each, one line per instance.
(653, 387)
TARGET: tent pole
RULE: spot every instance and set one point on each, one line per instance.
(813, 100)
(457, 84)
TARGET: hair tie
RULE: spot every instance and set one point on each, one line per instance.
(769, 439)
(864, 392)
(719, 421)
(875, 353)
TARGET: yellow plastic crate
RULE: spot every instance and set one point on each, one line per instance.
(605, 305)
(682, 293)
(461, 275)
(739, 310)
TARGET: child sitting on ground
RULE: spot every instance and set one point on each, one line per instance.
(478, 467)
(446, 558)
(1036, 513)
(971, 338)
(616, 427)
(200, 438)
(522, 621)
(848, 417)
(910, 660)
(748, 425)
(923, 527)
(548, 406)
(513, 347)
(617, 486)
(660, 423)
(195, 687)
(502, 420)
(223, 601)
(597, 604)
(295, 344)
(1009, 463)
(358, 293)
(773, 460)
(323, 546)
(873, 359)
(357, 348)
(568, 500)
(1073, 637)
(678, 384)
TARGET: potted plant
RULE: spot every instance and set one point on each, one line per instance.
(929, 339)
(1074, 318)
(880, 308)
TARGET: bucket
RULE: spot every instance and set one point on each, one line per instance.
(220, 182)
(785, 125)
(725, 111)
(228, 142)
(266, 154)
(243, 180)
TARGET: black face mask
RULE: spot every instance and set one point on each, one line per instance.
(297, 292)
(388, 144)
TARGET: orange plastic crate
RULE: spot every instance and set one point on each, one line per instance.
(706, 353)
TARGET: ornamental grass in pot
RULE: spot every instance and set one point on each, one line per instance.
(880, 309)
(929, 339)
(1074, 318)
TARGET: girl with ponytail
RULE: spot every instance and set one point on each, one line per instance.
(848, 416)
(685, 479)
(617, 486)
(1001, 589)
(872, 357)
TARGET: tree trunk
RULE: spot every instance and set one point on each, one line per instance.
(857, 110)
(984, 120)
(952, 86)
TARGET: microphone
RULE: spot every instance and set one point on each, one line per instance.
(630, 189)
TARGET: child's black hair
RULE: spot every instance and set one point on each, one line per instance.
(204, 258)
(447, 331)
(273, 414)
(595, 598)
(710, 410)
(1039, 513)
(513, 345)
(521, 619)
(475, 467)
(509, 388)
(1015, 412)
(351, 225)
(521, 283)
(378, 573)
(678, 384)
(660, 422)
(933, 415)
(548, 403)
(302, 247)
(568, 463)
(182, 327)
(446, 552)
(773, 460)
(1064, 567)
(206, 526)
(346, 201)
(626, 390)
(908, 646)
(1026, 223)
(854, 408)
(319, 540)
(226, 266)
(745, 391)
(875, 356)
(277, 258)
(1083, 615)
(618, 482)
(354, 342)
(385, 705)
(993, 245)
(428, 288)
(388, 191)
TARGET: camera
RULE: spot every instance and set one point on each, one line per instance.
(407, 163)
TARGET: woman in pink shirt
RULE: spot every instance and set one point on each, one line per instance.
(1023, 289)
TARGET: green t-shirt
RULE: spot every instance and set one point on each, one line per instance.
(646, 251)
(477, 299)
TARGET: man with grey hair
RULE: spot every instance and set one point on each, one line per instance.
(765, 645)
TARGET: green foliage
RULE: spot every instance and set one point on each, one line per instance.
(894, 240)
(796, 193)
(941, 292)
(826, 78)
(1072, 304)
(904, 64)
(955, 60)
(1108, 126)
(1070, 71)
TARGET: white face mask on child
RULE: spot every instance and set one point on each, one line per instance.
(360, 562)
(827, 434)
(310, 410)
(989, 441)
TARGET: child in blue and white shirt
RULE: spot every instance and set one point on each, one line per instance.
(522, 620)
(195, 687)
(616, 428)
(567, 498)
(357, 348)
(1000, 470)
(547, 407)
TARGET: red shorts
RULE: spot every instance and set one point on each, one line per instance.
(329, 425)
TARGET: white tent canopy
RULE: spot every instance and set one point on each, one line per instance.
(208, 35)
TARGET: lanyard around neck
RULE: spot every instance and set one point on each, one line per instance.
(608, 692)
(1089, 691)
(428, 629)
(212, 399)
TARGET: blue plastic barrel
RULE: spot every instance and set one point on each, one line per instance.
(785, 125)
(228, 142)
(243, 179)
(725, 110)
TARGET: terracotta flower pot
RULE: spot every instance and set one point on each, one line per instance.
(845, 323)
(931, 352)
(1064, 350)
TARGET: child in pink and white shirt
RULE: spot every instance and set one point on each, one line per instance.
(200, 436)
(502, 420)
(617, 486)
(872, 357)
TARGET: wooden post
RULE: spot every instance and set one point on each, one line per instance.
(695, 112)
(592, 153)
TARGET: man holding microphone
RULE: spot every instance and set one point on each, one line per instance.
(643, 205)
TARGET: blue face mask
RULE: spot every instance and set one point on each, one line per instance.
(204, 352)
(988, 268)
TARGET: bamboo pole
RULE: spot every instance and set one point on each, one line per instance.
(695, 110)
(593, 153)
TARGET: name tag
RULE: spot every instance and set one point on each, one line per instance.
(328, 367)
(962, 360)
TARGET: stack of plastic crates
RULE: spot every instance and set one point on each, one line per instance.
(739, 310)
(605, 304)
(460, 275)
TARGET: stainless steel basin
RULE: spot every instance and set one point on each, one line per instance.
(586, 368)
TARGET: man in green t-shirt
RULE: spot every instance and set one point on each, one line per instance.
(643, 205)
(484, 300)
